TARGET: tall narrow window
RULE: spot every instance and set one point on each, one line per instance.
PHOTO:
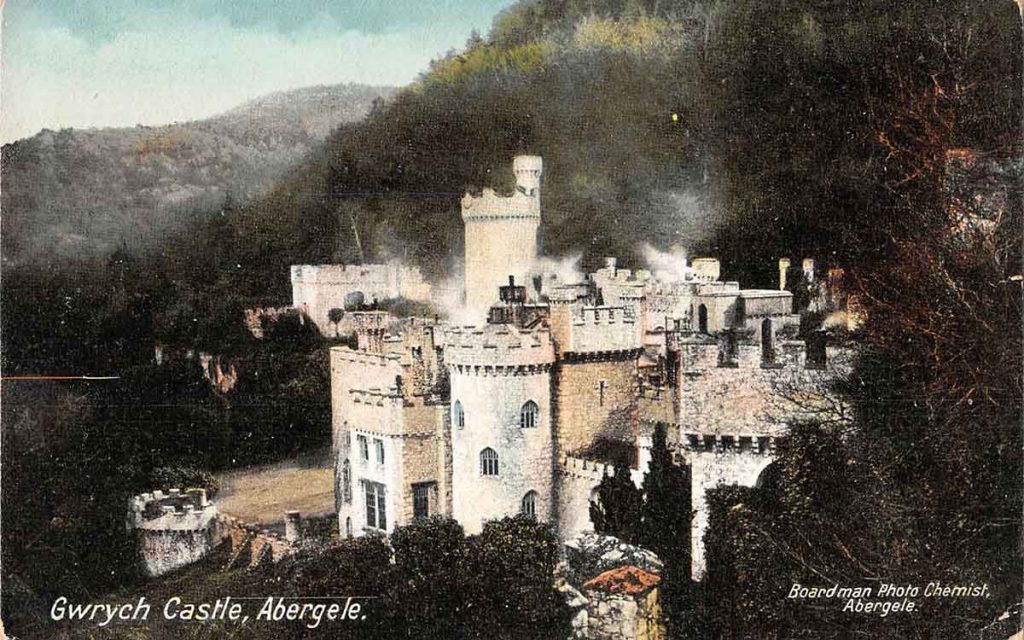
(767, 349)
(364, 447)
(346, 481)
(420, 501)
(458, 416)
(488, 462)
(348, 527)
(702, 319)
(529, 506)
(528, 415)
(376, 512)
(378, 446)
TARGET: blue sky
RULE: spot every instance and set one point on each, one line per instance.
(86, 63)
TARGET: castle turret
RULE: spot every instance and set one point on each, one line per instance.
(502, 430)
(501, 235)
(527, 170)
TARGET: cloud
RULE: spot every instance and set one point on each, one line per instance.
(114, 64)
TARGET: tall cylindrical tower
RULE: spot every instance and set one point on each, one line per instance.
(501, 235)
(502, 433)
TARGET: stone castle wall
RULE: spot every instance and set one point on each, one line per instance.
(598, 329)
(316, 289)
(714, 462)
(577, 486)
(589, 411)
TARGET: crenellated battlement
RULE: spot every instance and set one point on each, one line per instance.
(175, 510)
(603, 329)
(759, 444)
(585, 469)
(355, 274)
(489, 205)
(498, 346)
(604, 315)
(699, 352)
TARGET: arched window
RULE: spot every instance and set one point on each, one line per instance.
(348, 527)
(528, 415)
(529, 506)
(488, 462)
(458, 415)
(702, 318)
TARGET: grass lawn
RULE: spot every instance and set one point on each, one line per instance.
(261, 495)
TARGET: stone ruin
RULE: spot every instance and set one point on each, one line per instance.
(175, 528)
(178, 528)
(613, 589)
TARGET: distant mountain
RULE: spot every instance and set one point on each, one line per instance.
(83, 193)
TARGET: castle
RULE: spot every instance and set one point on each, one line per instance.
(524, 411)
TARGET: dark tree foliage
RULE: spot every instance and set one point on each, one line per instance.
(666, 516)
(511, 589)
(618, 509)
(431, 577)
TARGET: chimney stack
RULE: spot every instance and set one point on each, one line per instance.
(783, 267)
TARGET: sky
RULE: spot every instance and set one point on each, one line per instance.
(89, 63)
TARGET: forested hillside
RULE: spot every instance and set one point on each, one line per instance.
(735, 127)
(74, 194)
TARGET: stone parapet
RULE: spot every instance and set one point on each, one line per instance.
(491, 206)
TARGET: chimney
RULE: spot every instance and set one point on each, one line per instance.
(783, 266)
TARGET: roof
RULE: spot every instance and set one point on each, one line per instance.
(626, 579)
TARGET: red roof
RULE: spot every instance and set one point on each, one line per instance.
(625, 579)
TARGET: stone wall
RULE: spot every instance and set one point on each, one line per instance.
(613, 589)
(714, 462)
(175, 529)
(588, 411)
(624, 604)
(577, 486)
(316, 289)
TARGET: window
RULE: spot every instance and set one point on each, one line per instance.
(378, 447)
(364, 449)
(767, 349)
(488, 462)
(376, 512)
(458, 416)
(529, 506)
(420, 500)
(348, 527)
(346, 481)
(702, 319)
(528, 415)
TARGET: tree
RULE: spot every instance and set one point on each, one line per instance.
(618, 508)
(431, 580)
(512, 593)
(335, 315)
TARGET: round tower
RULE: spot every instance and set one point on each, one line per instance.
(501, 427)
(501, 235)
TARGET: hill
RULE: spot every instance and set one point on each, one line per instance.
(736, 128)
(73, 193)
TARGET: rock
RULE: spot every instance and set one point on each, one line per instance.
(590, 554)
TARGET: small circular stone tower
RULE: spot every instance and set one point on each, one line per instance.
(502, 431)
(501, 235)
